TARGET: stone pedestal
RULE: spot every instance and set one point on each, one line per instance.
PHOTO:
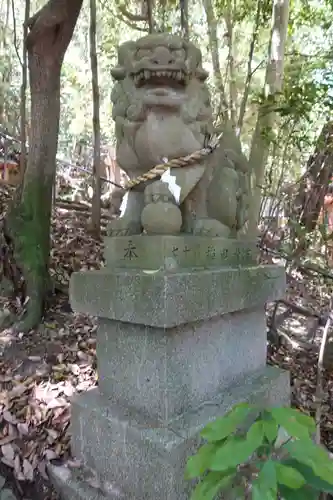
(181, 339)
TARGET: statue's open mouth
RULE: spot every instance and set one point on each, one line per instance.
(161, 77)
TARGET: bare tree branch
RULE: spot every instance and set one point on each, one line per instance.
(15, 34)
(184, 19)
(122, 18)
(249, 73)
(96, 202)
(214, 49)
(23, 111)
(228, 17)
(149, 4)
(131, 25)
(130, 16)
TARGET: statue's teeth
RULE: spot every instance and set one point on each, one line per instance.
(149, 74)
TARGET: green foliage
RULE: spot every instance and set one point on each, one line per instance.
(264, 453)
(308, 13)
(247, 9)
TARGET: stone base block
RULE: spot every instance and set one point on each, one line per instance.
(139, 457)
(164, 373)
(164, 300)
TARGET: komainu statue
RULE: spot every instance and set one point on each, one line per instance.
(162, 111)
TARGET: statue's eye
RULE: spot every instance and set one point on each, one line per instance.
(143, 53)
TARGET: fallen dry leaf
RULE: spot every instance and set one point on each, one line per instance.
(28, 470)
(8, 451)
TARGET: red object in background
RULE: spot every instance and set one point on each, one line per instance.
(9, 171)
(328, 209)
(11, 165)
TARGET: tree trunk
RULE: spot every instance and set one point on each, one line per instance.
(96, 201)
(223, 107)
(229, 35)
(150, 16)
(185, 29)
(28, 224)
(23, 134)
(5, 68)
(312, 189)
(262, 136)
(249, 72)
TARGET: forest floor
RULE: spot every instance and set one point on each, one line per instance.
(41, 370)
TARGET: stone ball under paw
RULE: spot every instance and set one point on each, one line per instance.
(161, 218)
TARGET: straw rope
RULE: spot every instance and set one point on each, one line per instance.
(182, 162)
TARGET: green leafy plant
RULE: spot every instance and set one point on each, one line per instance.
(260, 454)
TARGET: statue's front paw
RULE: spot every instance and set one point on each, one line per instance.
(211, 228)
(123, 227)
